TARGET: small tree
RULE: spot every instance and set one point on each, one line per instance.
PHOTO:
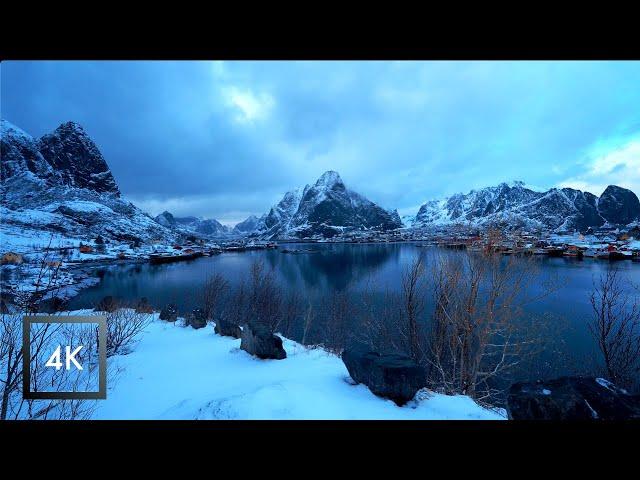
(615, 327)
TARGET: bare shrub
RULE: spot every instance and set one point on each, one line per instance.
(43, 339)
(479, 334)
(378, 319)
(339, 310)
(237, 307)
(213, 295)
(615, 327)
(46, 284)
(309, 316)
(124, 326)
(265, 297)
(292, 311)
(412, 305)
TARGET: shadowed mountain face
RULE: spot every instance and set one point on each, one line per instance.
(76, 159)
(62, 183)
(517, 206)
(619, 205)
(324, 209)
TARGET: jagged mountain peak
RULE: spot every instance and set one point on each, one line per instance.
(324, 209)
(330, 180)
(619, 205)
(64, 176)
(77, 160)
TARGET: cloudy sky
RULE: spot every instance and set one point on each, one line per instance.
(227, 139)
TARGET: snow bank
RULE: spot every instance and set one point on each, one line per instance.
(181, 373)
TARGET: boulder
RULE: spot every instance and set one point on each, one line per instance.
(107, 304)
(227, 329)
(571, 398)
(169, 313)
(196, 319)
(392, 376)
(259, 341)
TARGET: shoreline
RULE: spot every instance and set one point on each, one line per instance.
(82, 270)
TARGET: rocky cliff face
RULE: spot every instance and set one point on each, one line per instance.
(618, 205)
(76, 160)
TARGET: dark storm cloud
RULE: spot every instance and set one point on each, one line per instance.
(227, 139)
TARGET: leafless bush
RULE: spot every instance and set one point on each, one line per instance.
(339, 310)
(237, 310)
(413, 294)
(43, 339)
(479, 334)
(309, 316)
(213, 295)
(265, 297)
(292, 311)
(615, 326)
(10, 360)
(378, 318)
(26, 301)
(124, 326)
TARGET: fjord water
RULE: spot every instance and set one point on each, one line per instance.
(375, 267)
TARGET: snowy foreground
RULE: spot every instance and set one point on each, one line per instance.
(182, 373)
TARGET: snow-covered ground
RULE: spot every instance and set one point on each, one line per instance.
(182, 373)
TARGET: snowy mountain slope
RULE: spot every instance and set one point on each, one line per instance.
(61, 184)
(518, 206)
(248, 225)
(193, 225)
(324, 209)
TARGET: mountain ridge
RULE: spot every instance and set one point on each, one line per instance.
(517, 205)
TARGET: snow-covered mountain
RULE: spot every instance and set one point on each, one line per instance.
(515, 205)
(193, 225)
(62, 184)
(324, 209)
(248, 225)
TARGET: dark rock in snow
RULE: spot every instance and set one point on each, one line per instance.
(227, 329)
(259, 341)
(169, 313)
(619, 206)
(571, 398)
(107, 304)
(391, 376)
(197, 318)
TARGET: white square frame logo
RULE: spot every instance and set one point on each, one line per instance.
(101, 394)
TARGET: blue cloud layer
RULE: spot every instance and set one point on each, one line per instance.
(225, 139)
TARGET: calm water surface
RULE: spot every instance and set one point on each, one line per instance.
(355, 266)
